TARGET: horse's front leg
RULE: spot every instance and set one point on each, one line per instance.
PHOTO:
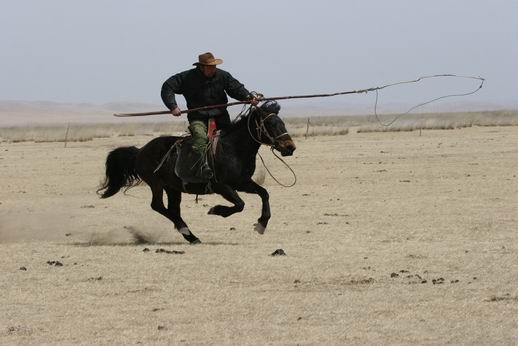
(252, 187)
(230, 195)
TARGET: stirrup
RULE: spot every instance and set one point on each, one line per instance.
(205, 172)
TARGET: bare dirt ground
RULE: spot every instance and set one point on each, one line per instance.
(390, 238)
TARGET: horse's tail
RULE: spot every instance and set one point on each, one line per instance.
(120, 171)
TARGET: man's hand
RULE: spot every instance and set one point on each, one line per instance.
(176, 111)
(254, 98)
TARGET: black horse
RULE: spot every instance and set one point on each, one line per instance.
(233, 165)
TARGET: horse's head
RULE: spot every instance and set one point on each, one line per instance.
(270, 129)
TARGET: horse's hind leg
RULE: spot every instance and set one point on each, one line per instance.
(174, 198)
(230, 195)
(172, 213)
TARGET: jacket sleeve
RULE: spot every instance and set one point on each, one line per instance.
(173, 85)
(235, 89)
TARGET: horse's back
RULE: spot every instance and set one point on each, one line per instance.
(159, 143)
(152, 153)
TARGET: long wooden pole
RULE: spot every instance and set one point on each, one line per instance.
(360, 91)
(244, 102)
(184, 111)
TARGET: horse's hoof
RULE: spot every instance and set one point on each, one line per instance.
(259, 228)
(191, 238)
(211, 211)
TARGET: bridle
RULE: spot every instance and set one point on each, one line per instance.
(261, 129)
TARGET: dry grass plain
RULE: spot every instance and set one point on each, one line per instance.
(391, 238)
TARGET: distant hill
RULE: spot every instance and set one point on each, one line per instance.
(43, 112)
(16, 113)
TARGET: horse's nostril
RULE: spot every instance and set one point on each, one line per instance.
(290, 145)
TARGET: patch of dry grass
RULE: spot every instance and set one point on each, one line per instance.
(441, 121)
(87, 132)
(298, 127)
(318, 131)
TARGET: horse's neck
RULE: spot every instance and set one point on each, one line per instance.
(240, 137)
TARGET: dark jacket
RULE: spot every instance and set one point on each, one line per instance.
(200, 91)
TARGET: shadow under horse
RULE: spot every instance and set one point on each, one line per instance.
(233, 165)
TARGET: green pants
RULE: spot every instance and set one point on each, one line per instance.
(198, 130)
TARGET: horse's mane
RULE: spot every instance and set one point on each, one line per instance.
(240, 121)
(243, 117)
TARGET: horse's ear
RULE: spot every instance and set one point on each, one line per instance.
(271, 106)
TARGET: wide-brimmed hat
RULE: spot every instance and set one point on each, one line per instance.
(208, 59)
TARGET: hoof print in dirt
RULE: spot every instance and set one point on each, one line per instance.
(174, 252)
(145, 249)
(23, 269)
(98, 278)
(362, 281)
(278, 252)
(504, 297)
(55, 263)
(438, 281)
(394, 275)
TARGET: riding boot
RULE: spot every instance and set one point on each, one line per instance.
(201, 174)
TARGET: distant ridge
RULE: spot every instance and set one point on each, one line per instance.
(15, 113)
(46, 112)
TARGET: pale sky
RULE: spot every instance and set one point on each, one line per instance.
(103, 51)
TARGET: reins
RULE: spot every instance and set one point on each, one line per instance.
(284, 162)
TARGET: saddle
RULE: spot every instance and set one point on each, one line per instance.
(189, 162)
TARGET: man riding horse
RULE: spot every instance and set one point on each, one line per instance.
(204, 85)
(156, 163)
